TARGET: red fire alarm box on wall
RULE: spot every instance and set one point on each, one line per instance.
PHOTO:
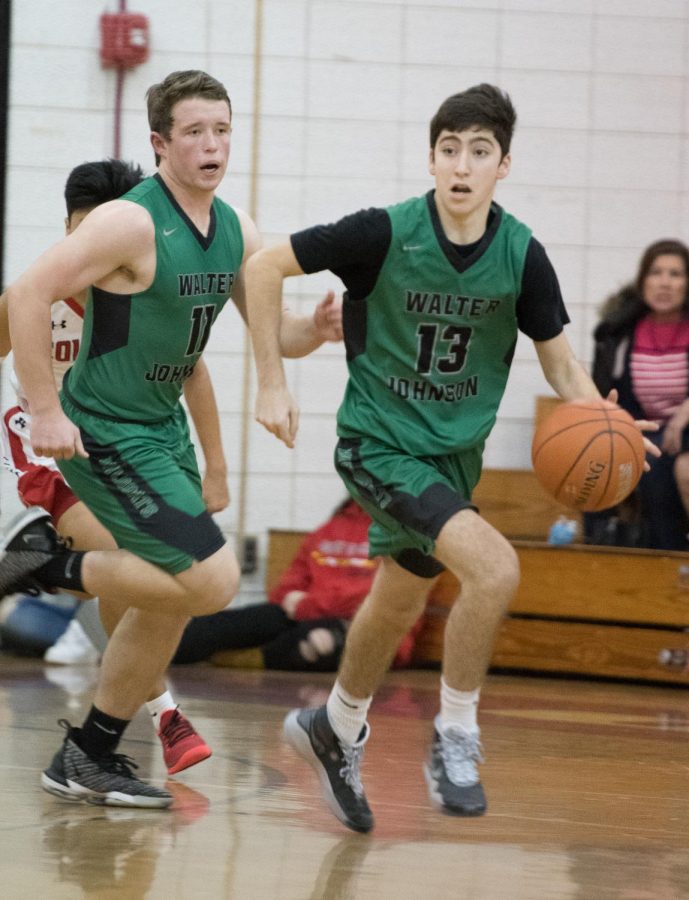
(124, 39)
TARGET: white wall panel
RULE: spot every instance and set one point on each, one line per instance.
(509, 444)
(549, 99)
(554, 158)
(557, 42)
(317, 496)
(637, 103)
(556, 215)
(282, 146)
(639, 161)
(284, 91)
(445, 37)
(72, 24)
(321, 383)
(285, 28)
(57, 140)
(621, 218)
(350, 149)
(425, 86)
(230, 26)
(676, 9)
(578, 7)
(354, 91)
(640, 46)
(374, 34)
(313, 455)
(570, 265)
(327, 199)
(608, 268)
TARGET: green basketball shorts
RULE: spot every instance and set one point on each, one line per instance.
(409, 499)
(142, 482)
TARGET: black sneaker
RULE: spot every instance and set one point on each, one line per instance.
(106, 781)
(452, 773)
(29, 542)
(337, 765)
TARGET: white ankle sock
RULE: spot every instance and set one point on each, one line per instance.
(458, 708)
(346, 714)
(158, 706)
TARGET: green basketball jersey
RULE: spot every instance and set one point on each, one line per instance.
(429, 350)
(137, 350)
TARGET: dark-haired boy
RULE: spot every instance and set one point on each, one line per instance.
(437, 289)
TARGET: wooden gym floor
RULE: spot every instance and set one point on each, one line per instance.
(587, 786)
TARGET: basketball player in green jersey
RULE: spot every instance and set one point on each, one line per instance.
(437, 288)
(162, 262)
(41, 484)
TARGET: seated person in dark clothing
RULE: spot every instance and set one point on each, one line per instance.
(642, 350)
(304, 624)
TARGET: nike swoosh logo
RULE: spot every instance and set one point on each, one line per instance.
(103, 728)
(408, 247)
(168, 231)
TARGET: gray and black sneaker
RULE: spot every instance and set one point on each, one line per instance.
(106, 781)
(29, 542)
(452, 774)
(336, 764)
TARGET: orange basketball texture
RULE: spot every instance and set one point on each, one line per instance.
(588, 454)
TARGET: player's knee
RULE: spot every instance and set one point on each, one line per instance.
(398, 609)
(214, 589)
(501, 575)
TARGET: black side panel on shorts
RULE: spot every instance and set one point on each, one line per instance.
(428, 512)
(110, 322)
(198, 536)
(418, 563)
(425, 514)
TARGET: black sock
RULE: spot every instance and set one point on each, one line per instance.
(100, 734)
(62, 571)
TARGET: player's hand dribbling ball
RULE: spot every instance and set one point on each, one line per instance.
(588, 454)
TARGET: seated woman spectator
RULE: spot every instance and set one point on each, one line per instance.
(642, 350)
(304, 624)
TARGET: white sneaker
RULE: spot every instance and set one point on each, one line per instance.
(72, 648)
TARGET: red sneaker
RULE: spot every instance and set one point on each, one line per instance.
(183, 746)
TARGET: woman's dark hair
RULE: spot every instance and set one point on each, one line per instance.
(627, 306)
(666, 247)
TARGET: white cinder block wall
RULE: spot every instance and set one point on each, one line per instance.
(600, 159)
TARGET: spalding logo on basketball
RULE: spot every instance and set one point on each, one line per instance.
(588, 454)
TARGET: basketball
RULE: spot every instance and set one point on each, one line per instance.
(588, 454)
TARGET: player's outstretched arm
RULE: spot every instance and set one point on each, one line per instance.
(203, 409)
(265, 272)
(302, 334)
(568, 378)
(563, 371)
(110, 241)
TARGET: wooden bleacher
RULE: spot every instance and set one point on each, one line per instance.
(589, 611)
(580, 610)
(593, 611)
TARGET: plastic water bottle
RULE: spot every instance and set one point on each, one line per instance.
(562, 531)
(674, 658)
